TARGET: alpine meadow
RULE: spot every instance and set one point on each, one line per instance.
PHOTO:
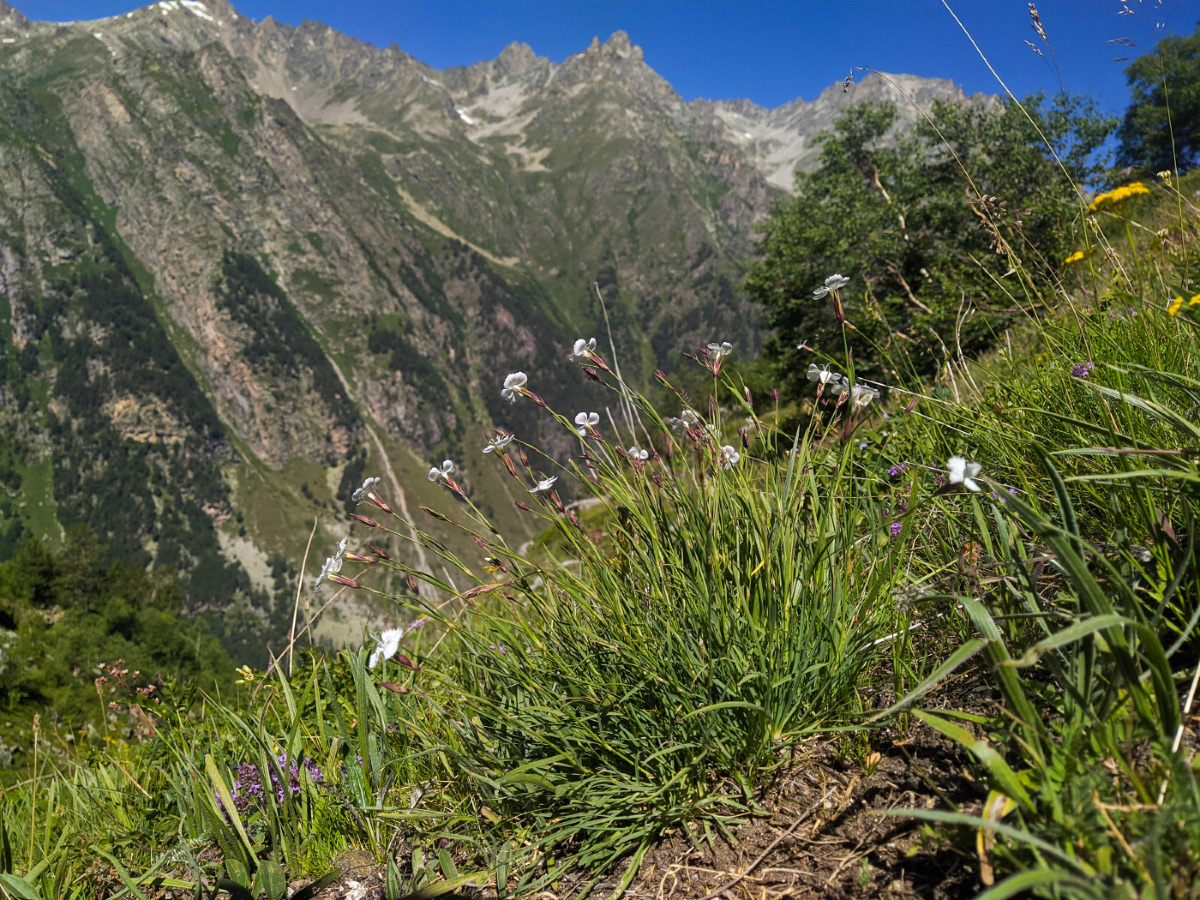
(516, 481)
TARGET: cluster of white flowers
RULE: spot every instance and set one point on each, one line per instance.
(445, 471)
(586, 420)
(368, 488)
(333, 565)
(832, 283)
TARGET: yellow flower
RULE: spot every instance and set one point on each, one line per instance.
(247, 675)
(1195, 301)
(1175, 306)
(1115, 198)
(1074, 257)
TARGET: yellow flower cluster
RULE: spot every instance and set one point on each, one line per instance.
(1114, 199)
(1177, 304)
(1077, 256)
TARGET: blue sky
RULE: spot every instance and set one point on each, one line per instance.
(770, 52)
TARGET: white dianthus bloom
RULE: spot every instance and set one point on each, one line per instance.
(832, 283)
(498, 443)
(388, 645)
(586, 420)
(333, 564)
(583, 349)
(636, 452)
(446, 470)
(729, 457)
(368, 487)
(962, 472)
(718, 350)
(860, 396)
(512, 385)
(544, 485)
(823, 374)
(690, 417)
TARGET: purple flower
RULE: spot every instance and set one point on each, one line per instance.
(896, 528)
(895, 470)
(1083, 369)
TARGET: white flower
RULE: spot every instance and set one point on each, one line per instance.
(963, 472)
(446, 470)
(512, 385)
(636, 452)
(690, 417)
(860, 396)
(389, 643)
(544, 485)
(803, 345)
(822, 374)
(333, 564)
(499, 442)
(586, 420)
(368, 487)
(729, 457)
(832, 283)
(712, 430)
(716, 351)
(582, 350)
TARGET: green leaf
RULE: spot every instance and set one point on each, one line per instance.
(1026, 881)
(393, 885)
(237, 871)
(445, 887)
(19, 888)
(218, 782)
(1004, 776)
(271, 880)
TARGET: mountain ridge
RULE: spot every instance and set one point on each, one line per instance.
(346, 250)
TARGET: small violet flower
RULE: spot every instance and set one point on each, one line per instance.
(895, 470)
(586, 420)
(832, 283)
(512, 386)
(544, 485)
(962, 472)
(1083, 369)
(446, 470)
(895, 529)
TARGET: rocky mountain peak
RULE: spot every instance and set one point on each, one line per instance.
(516, 59)
(11, 17)
(618, 46)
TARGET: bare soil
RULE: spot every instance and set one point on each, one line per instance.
(831, 832)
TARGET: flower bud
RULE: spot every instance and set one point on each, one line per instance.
(343, 580)
(365, 520)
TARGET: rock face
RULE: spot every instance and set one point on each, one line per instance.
(231, 252)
